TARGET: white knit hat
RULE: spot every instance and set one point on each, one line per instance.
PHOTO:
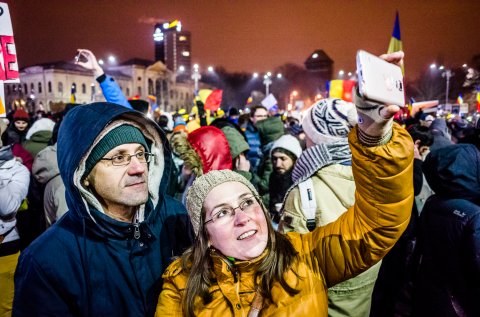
(289, 143)
(329, 120)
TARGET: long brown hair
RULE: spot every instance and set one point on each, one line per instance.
(196, 260)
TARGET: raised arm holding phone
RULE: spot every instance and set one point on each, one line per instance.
(240, 265)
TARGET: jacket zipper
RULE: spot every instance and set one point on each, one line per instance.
(136, 231)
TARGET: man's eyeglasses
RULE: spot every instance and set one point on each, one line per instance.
(124, 159)
(227, 214)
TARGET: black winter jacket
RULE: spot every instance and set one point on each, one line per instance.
(448, 277)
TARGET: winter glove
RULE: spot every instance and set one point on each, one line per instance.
(373, 128)
(375, 120)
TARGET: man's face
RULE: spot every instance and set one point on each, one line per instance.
(259, 115)
(120, 188)
(282, 163)
(21, 125)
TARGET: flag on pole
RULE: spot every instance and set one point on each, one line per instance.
(396, 40)
(73, 91)
(459, 99)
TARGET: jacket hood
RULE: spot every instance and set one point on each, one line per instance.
(236, 141)
(82, 128)
(43, 124)
(270, 129)
(45, 166)
(454, 171)
(212, 147)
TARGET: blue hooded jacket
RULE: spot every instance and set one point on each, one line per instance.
(89, 264)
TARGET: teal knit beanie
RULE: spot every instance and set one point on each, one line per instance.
(123, 134)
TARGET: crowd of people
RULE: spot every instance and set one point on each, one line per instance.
(108, 211)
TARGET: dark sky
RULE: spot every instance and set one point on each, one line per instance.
(249, 35)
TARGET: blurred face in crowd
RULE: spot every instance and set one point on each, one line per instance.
(259, 115)
(120, 189)
(21, 125)
(282, 163)
(243, 233)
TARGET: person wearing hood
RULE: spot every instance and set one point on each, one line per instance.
(17, 130)
(441, 136)
(324, 189)
(46, 172)
(240, 266)
(38, 136)
(106, 255)
(202, 150)
(14, 181)
(447, 282)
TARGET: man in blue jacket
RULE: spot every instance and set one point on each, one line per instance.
(106, 255)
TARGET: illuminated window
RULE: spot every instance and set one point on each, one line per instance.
(182, 38)
(185, 53)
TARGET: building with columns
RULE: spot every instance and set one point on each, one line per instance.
(46, 84)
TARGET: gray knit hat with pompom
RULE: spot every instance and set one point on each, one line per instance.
(203, 185)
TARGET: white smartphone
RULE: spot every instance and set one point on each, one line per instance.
(379, 80)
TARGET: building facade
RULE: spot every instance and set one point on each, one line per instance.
(43, 85)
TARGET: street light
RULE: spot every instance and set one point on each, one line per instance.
(267, 82)
(111, 59)
(294, 93)
(210, 69)
(196, 77)
(447, 74)
(255, 75)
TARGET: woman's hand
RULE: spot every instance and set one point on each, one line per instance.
(375, 120)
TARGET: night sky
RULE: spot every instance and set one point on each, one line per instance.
(249, 35)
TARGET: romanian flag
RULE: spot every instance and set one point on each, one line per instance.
(478, 100)
(73, 91)
(341, 89)
(396, 41)
(459, 99)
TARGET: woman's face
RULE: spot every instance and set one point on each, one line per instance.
(21, 125)
(243, 236)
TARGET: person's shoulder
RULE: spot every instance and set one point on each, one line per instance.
(176, 274)
(51, 246)
(174, 207)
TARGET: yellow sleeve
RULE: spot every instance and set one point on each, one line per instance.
(360, 237)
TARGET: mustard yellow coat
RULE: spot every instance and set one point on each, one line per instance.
(358, 239)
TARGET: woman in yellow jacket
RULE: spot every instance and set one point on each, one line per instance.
(239, 266)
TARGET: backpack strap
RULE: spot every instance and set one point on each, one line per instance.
(309, 204)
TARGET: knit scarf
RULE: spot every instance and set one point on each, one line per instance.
(317, 157)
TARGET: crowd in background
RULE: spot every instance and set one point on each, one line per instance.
(300, 163)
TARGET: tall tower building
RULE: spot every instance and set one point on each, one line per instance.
(172, 47)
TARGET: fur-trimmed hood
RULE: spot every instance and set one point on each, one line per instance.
(79, 134)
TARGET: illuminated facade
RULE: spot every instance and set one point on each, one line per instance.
(172, 47)
(50, 83)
